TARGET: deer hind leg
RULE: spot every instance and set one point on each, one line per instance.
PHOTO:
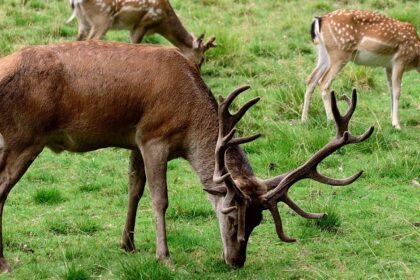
(337, 63)
(388, 72)
(137, 35)
(84, 29)
(397, 73)
(314, 78)
(97, 32)
(99, 27)
(137, 180)
(15, 163)
(83, 25)
(155, 155)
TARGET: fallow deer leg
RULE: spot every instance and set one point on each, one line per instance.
(15, 165)
(337, 63)
(99, 27)
(83, 30)
(313, 80)
(388, 72)
(137, 180)
(397, 73)
(137, 35)
(155, 157)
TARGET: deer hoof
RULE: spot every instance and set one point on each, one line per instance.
(127, 246)
(167, 261)
(397, 126)
(4, 266)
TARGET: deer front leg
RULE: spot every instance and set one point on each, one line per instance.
(388, 72)
(313, 80)
(99, 27)
(337, 62)
(155, 157)
(84, 30)
(137, 180)
(137, 35)
(15, 165)
(397, 73)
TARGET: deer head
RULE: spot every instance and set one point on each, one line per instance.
(240, 201)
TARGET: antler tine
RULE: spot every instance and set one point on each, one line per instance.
(361, 138)
(279, 226)
(352, 106)
(286, 199)
(201, 37)
(224, 106)
(243, 140)
(340, 123)
(335, 182)
(241, 112)
(210, 44)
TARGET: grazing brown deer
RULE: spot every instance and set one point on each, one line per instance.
(366, 38)
(84, 96)
(141, 17)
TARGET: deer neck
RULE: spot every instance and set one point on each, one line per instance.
(176, 33)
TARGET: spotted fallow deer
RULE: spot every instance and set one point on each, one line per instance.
(85, 96)
(141, 17)
(366, 38)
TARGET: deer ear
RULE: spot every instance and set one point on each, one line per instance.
(219, 191)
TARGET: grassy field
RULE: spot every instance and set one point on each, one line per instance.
(64, 219)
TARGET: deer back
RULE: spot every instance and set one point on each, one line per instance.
(366, 31)
(113, 94)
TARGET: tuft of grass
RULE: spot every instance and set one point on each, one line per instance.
(76, 273)
(91, 187)
(59, 227)
(88, 226)
(48, 196)
(144, 269)
(331, 222)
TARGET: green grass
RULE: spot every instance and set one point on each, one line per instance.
(48, 196)
(64, 219)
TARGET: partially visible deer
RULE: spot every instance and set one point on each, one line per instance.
(84, 96)
(96, 17)
(366, 38)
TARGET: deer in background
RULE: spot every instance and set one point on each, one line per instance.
(366, 38)
(141, 17)
(84, 96)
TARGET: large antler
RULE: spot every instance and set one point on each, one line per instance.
(309, 169)
(227, 130)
